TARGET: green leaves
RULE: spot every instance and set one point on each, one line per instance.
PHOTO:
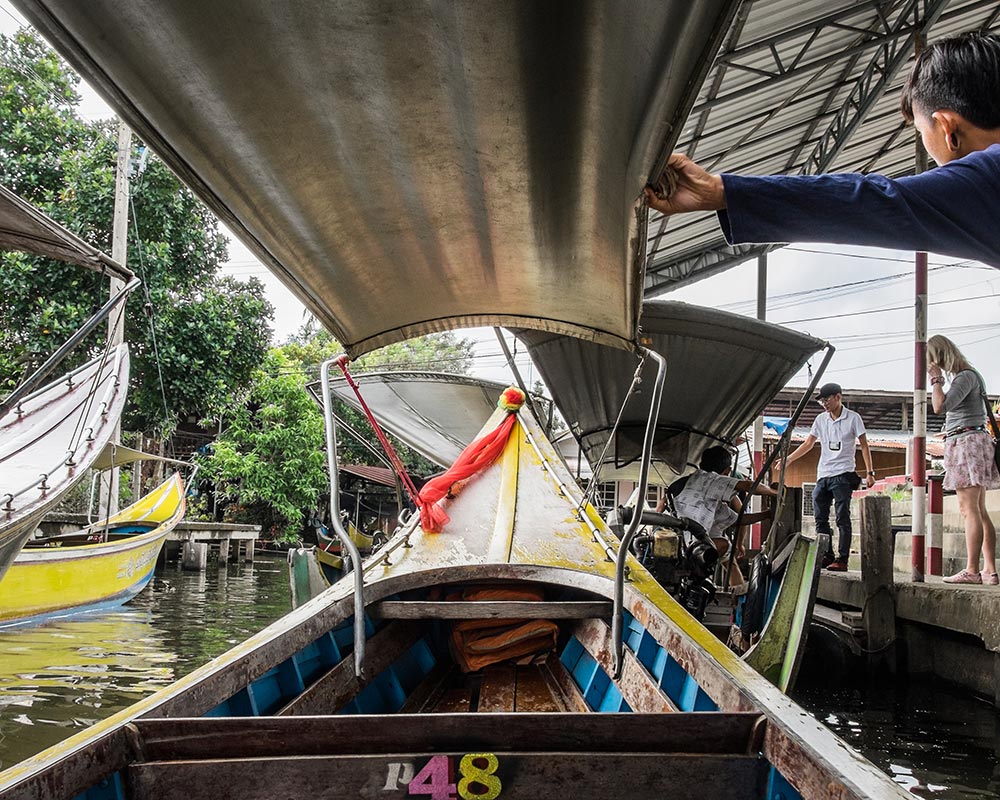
(209, 332)
(269, 462)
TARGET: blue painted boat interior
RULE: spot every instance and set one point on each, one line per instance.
(388, 691)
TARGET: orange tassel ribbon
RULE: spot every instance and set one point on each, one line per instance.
(474, 458)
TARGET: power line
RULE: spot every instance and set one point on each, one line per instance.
(910, 356)
(885, 310)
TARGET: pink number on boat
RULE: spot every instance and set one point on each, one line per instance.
(434, 780)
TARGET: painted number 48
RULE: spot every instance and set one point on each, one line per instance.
(477, 781)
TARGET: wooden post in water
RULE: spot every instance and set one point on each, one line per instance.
(194, 557)
(879, 613)
(224, 551)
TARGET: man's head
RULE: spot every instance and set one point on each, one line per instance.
(716, 459)
(952, 95)
(829, 396)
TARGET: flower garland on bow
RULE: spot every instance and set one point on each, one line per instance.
(474, 458)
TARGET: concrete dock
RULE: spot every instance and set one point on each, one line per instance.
(226, 535)
(950, 631)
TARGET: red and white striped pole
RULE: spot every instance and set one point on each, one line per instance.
(758, 424)
(918, 450)
(935, 525)
(919, 445)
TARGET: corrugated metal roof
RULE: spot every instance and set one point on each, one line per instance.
(379, 475)
(877, 439)
(801, 88)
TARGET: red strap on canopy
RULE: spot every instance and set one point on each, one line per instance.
(474, 458)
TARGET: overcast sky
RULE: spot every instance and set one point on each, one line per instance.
(860, 299)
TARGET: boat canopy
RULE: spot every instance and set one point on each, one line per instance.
(434, 413)
(722, 369)
(50, 440)
(411, 167)
(24, 227)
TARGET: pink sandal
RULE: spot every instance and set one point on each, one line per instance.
(965, 576)
(989, 578)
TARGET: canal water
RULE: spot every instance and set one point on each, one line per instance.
(61, 676)
(58, 678)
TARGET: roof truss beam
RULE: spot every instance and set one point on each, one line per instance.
(917, 17)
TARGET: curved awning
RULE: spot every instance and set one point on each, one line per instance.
(434, 413)
(412, 167)
(722, 369)
(24, 227)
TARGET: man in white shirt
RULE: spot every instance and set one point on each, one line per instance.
(837, 430)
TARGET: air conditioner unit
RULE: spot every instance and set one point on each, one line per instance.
(807, 499)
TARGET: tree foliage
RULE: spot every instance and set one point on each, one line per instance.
(268, 463)
(207, 332)
(439, 352)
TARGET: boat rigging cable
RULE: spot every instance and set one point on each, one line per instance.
(149, 309)
(390, 451)
(591, 492)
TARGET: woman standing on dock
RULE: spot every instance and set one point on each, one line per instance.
(968, 453)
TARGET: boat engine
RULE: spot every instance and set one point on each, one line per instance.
(677, 551)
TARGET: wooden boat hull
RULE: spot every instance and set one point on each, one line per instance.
(777, 654)
(59, 433)
(302, 667)
(50, 581)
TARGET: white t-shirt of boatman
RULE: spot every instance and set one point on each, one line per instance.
(838, 441)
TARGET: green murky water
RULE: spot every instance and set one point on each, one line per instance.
(60, 677)
(63, 675)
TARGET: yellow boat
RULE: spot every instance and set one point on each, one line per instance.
(103, 565)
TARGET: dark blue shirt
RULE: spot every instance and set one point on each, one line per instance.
(952, 210)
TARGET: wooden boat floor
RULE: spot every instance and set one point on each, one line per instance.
(498, 688)
(506, 688)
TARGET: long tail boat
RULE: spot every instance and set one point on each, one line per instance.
(52, 433)
(523, 570)
(409, 168)
(98, 567)
(49, 441)
(435, 414)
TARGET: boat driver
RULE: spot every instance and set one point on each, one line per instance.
(709, 497)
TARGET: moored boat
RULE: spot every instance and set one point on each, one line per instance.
(521, 571)
(408, 170)
(50, 440)
(51, 434)
(101, 566)
(723, 369)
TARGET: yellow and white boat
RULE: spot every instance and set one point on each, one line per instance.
(101, 566)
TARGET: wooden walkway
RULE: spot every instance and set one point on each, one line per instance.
(221, 533)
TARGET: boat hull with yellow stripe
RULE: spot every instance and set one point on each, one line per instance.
(286, 713)
(69, 574)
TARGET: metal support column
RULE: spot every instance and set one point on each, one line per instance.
(758, 424)
(919, 442)
(918, 447)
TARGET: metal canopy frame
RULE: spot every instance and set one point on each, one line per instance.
(801, 88)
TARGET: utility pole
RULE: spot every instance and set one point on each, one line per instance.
(116, 322)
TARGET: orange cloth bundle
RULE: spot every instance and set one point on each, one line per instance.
(477, 456)
(476, 648)
(478, 643)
